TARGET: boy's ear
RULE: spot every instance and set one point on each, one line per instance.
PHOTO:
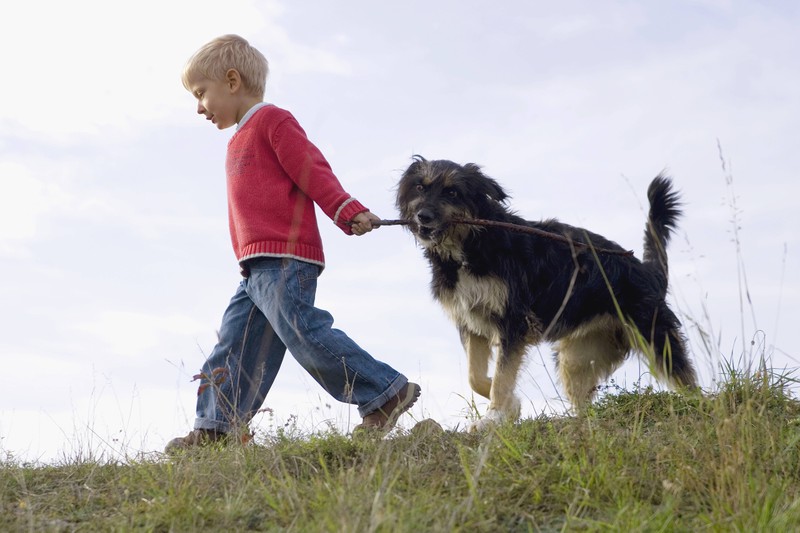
(234, 79)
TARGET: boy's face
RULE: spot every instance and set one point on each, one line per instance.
(217, 100)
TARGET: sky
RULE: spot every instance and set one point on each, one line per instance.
(115, 258)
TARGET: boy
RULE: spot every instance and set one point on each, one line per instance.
(274, 177)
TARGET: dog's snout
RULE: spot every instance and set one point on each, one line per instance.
(425, 216)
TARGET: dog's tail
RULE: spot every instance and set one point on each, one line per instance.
(661, 222)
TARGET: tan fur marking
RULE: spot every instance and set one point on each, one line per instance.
(504, 382)
(479, 351)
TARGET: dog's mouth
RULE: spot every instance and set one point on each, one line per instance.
(426, 232)
(430, 234)
(433, 228)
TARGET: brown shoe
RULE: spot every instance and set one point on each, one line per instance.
(204, 437)
(195, 438)
(385, 417)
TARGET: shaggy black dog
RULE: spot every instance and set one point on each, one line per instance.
(509, 287)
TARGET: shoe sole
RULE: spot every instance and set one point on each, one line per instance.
(413, 392)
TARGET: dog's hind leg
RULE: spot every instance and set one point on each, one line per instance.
(587, 357)
(479, 351)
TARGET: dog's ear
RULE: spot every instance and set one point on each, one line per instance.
(484, 184)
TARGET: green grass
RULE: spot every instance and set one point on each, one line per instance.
(636, 461)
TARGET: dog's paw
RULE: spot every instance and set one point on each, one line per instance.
(494, 417)
(489, 420)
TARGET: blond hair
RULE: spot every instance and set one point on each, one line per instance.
(214, 59)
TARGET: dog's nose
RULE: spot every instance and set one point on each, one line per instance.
(425, 216)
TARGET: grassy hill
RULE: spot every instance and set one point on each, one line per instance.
(727, 460)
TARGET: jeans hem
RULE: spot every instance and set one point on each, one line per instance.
(391, 391)
(213, 425)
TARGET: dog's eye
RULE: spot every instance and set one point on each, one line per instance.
(452, 193)
(420, 187)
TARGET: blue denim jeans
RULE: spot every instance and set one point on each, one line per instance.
(272, 310)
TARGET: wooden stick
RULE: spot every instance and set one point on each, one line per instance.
(390, 222)
(539, 232)
(514, 227)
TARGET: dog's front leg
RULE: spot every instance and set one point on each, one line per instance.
(479, 351)
(504, 404)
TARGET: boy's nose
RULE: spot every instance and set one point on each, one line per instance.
(200, 109)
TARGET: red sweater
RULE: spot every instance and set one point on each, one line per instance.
(275, 175)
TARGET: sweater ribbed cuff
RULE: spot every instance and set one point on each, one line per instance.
(346, 212)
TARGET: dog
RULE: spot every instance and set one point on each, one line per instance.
(517, 283)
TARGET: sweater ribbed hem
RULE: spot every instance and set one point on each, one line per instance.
(303, 252)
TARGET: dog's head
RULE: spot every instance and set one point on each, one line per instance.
(432, 194)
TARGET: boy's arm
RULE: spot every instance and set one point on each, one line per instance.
(311, 172)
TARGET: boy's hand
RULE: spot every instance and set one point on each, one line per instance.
(362, 223)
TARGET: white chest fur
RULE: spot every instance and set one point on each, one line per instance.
(474, 302)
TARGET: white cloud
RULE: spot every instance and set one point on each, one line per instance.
(131, 333)
(24, 199)
(80, 78)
